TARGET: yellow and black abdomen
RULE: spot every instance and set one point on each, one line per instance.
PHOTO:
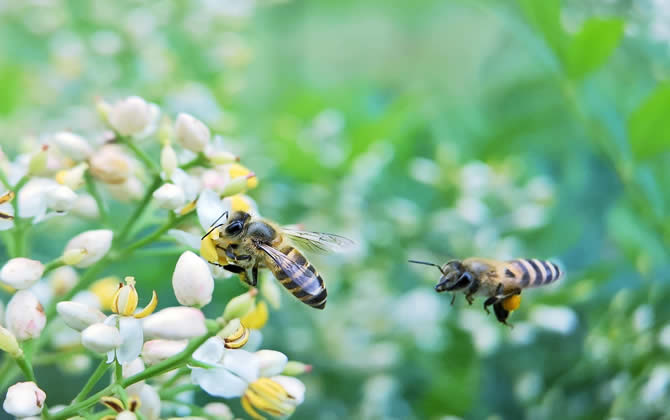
(530, 272)
(299, 277)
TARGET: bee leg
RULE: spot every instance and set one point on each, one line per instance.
(469, 298)
(230, 254)
(453, 298)
(516, 291)
(501, 313)
(490, 301)
(472, 289)
(499, 289)
(233, 268)
(254, 275)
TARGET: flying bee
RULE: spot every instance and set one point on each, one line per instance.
(501, 282)
(244, 243)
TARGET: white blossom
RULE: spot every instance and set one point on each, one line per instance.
(155, 351)
(101, 338)
(192, 280)
(175, 323)
(95, 242)
(24, 399)
(132, 116)
(191, 133)
(169, 196)
(72, 145)
(79, 316)
(25, 316)
(21, 273)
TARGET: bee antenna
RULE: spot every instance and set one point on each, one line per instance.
(427, 263)
(211, 230)
(225, 213)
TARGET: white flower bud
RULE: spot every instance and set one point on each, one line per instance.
(130, 116)
(73, 146)
(131, 190)
(219, 410)
(86, 207)
(271, 362)
(222, 157)
(61, 198)
(101, 338)
(240, 305)
(110, 164)
(191, 133)
(21, 273)
(74, 256)
(151, 403)
(126, 415)
(95, 242)
(24, 399)
(175, 323)
(74, 177)
(8, 343)
(79, 316)
(192, 281)
(25, 316)
(168, 160)
(294, 368)
(169, 196)
(38, 161)
(130, 369)
(63, 279)
(293, 386)
(155, 351)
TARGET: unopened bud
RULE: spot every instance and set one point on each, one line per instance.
(192, 281)
(130, 369)
(176, 323)
(73, 177)
(21, 273)
(38, 161)
(101, 338)
(155, 351)
(63, 279)
(191, 133)
(8, 343)
(222, 158)
(271, 362)
(61, 198)
(71, 145)
(79, 316)
(74, 256)
(169, 196)
(24, 399)
(95, 242)
(130, 116)
(294, 368)
(168, 160)
(25, 316)
(240, 305)
(237, 185)
(110, 164)
(86, 207)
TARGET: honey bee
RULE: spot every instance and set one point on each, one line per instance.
(501, 282)
(6, 198)
(245, 243)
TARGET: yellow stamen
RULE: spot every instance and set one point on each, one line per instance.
(133, 404)
(246, 404)
(149, 309)
(512, 303)
(239, 202)
(113, 403)
(125, 299)
(188, 208)
(239, 341)
(6, 197)
(257, 318)
(263, 404)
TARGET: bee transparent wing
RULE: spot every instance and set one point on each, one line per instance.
(301, 276)
(317, 241)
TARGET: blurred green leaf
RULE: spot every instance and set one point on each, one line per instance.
(637, 240)
(591, 47)
(545, 16)
(649, 126)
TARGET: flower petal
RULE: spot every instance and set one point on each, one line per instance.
(218, 382)
(211, 351)
(185, 238)
(242, 363)
(293, 386)
(132, 339)
(209, 208)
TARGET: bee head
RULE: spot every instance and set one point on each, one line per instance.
(454, 276)
(235, 224)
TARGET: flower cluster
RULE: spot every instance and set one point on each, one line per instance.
(157, 357)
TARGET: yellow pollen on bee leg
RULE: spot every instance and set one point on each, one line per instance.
(512, 303)
(208, 250)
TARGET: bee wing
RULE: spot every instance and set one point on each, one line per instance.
(317, 241)
(295, 272)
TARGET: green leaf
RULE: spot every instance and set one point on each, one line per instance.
(545, 16)
(649, 125)
(592, 46)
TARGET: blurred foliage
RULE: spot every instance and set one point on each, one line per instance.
(434, 130)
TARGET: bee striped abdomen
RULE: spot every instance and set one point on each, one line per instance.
(304, 282)
(530, 272)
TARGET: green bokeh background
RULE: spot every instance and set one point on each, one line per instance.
(431, 129)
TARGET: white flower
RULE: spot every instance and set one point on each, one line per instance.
(130, 190)
(237, 373)
(175, 323)
(95, 242)
(168, 160)
(24, 399)
(132, 115)
(219, 410)
(111, 164)
(72, 145)
(21, 273)
(101, 338)
(130, 369)
(155, 351)
(151, 403)
(192, 280)
(271, 362)
(191, 133)
(25, 316)
(86, 207)
(169, 196)
(61, 198)
(74, 178)
(33, 198)
(79, 316)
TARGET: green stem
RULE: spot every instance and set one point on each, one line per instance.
(93, 190)
(157, 369)
(19, 224)
(140, 154)
(139, 210)
(153, 236)
(171, 393)
(175, 378)
(92, 381)
(26, 368)
(52, 265)
(118, 372)
(200, 160)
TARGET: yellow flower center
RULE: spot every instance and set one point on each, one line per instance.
(268, 396)
(125, 300)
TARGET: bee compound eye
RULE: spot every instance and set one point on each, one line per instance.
(234, 228)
